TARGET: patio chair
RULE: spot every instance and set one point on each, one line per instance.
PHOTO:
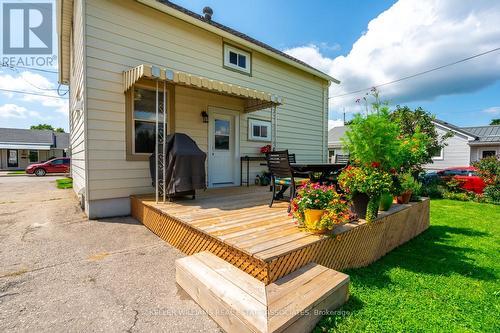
(282, 174)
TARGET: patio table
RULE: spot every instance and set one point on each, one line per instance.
(324, 168)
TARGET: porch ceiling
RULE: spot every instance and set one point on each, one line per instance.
(254, 100)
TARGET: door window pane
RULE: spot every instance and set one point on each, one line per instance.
(222, 127)
(33, 156)
(222, 142)
(13, 157)
(222, 132)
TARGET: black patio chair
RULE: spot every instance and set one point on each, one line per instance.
(282, 174)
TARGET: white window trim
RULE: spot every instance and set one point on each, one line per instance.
(248, 55)
(143, 120)
(440, 157)
(257, 122)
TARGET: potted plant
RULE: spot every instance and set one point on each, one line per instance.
(408, 186)
(386, 200)
(369, 181)
(319, 208)
(266, 149)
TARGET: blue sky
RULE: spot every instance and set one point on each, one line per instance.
(361, 43)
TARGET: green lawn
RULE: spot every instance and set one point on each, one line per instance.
(445, 280)
(20, 172)
(64, 183)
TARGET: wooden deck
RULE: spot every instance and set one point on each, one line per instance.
(237, 225)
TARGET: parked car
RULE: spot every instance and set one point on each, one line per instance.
(468, 175)
(55, 165)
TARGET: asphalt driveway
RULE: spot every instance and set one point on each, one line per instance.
(61, 272)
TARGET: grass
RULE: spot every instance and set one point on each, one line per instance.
(64, 183)
(445, 280)
(16, 173)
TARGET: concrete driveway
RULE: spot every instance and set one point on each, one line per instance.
(61, 272)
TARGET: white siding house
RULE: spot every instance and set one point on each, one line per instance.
(102, 40)
(465, 146)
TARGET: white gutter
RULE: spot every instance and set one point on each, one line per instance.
(187, 18)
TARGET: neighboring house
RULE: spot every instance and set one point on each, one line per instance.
(467, 145)
(336, 154)
(231, 93)
(487, 142)
(21, 147)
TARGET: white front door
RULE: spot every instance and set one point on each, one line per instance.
(223, 147)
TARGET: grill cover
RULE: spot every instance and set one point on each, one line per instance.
(184, 163)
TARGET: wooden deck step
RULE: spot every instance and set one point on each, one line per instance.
(240, 303)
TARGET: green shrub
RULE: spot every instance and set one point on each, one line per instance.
(460, 196)
(492, 194)
(433, 190)
(408, 182)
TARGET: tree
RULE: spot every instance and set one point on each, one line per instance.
(495, 121)
(47, 127)
(419, 120)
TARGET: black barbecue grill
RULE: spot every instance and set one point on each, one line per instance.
(184, 166)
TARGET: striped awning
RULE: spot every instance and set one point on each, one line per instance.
(255, 100)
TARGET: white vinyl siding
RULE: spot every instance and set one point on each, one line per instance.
(123, 34)
(77, 92)
(455, 154)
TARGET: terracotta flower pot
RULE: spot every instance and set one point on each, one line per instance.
(312, 218)
(360, 204)
(404, 198)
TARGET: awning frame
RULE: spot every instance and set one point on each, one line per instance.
(254, 100)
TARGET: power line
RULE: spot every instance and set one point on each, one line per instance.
(58, 89)
(31, 93)
(31, 68)
(417, 74)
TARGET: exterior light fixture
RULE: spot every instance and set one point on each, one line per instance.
(204, 115)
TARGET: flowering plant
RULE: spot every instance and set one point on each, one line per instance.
(316, 196)
(365, 179)
(265, 149)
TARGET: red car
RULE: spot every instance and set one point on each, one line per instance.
(55, 165)
(468, 175)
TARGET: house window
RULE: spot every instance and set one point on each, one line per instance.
(144, 120)
(237, 59)
(33, 156)
(438, 155)
(259, 130)
(488, 153)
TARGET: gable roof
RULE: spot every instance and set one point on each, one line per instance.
(19, 135)
(61, 140)
(489, 133)
(244, 37)
(188, 16)
(455, 128)
(37, 137)
(336, 133)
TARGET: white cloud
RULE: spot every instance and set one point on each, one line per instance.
(493, 110)
(34, 83)
(16, 111)
(335, 123)
(414, 36)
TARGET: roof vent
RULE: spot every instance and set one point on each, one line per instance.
(207, 11)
